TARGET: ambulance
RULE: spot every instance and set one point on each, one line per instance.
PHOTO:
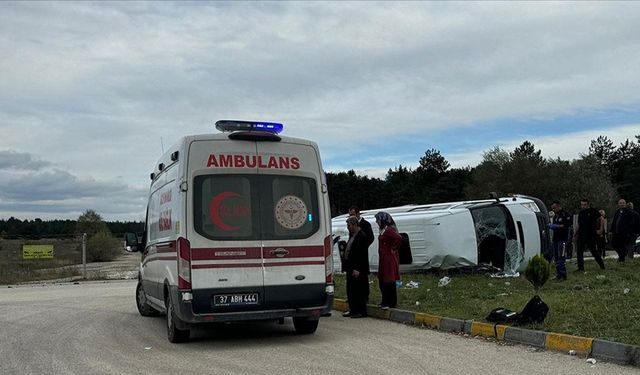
(238, 228)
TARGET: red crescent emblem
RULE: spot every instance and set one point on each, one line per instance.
(214, 209)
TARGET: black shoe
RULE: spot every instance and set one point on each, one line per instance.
(347, 314)
(357, 316)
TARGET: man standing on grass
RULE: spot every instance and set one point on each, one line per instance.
(561, 222)
(624, 230)
(586, 233)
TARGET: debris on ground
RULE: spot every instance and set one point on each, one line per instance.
(412, 284)
(505, 274)
(444, 281)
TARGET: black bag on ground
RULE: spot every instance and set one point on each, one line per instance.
(405, 250)
(502, 315)
(535, 311)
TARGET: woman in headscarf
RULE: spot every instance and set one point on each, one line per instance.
(389, 242)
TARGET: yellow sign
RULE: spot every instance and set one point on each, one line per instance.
(37, 251)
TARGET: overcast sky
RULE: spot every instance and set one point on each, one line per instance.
(90, 92)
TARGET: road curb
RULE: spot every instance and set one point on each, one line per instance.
(525, 336)
(614, 351)
(597, 348)
(563, 342)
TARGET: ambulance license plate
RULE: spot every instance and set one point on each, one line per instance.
(235, 299)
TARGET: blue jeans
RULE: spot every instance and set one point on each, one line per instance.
(558, 258)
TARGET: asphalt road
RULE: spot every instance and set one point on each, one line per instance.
(94, 328)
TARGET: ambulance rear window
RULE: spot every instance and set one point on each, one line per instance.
(255, 207)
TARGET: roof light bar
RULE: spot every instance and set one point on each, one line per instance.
(233, 125)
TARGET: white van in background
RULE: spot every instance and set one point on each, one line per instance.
(237, 228)
(502, 233)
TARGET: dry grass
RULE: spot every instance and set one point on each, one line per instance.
(14, 269)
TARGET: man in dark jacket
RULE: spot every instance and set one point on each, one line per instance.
(624, 230)
(356, 266)
(363, 224)
(586, 233)
(560, 225)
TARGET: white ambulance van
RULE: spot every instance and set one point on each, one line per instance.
(499, 234)
(238, 228)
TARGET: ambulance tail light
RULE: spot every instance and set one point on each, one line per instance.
(328, 260)
(184, 263)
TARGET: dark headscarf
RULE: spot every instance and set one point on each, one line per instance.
(384, 219)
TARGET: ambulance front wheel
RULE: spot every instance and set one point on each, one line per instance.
(141, 302)
(305, 326)
(174, 334)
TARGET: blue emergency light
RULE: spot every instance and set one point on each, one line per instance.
(233, 125)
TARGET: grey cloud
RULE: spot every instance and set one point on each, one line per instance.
(37, 191)
(20, 161)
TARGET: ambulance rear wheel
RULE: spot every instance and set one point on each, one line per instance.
(174, 334)
(305, 326)
(141, 302)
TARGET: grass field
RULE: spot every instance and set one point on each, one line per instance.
(15, 269)
(600, 304)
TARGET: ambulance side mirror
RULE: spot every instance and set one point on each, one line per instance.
(131, 242)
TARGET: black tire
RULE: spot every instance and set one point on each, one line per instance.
(305, 326)
(141, 302)
(174, 334)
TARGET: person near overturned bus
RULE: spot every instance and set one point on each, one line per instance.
(389, 242)
(356, 267)
(585, 234)
(602, 231)
(560, 224)
(363, 224)
(624, 230)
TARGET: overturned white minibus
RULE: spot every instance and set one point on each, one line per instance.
(502, 233)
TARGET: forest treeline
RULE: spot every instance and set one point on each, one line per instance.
(602, 174)
(13, 228)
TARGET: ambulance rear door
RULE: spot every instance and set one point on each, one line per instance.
(293, 225)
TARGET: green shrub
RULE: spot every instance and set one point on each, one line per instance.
(102, 247)
(537, 272)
